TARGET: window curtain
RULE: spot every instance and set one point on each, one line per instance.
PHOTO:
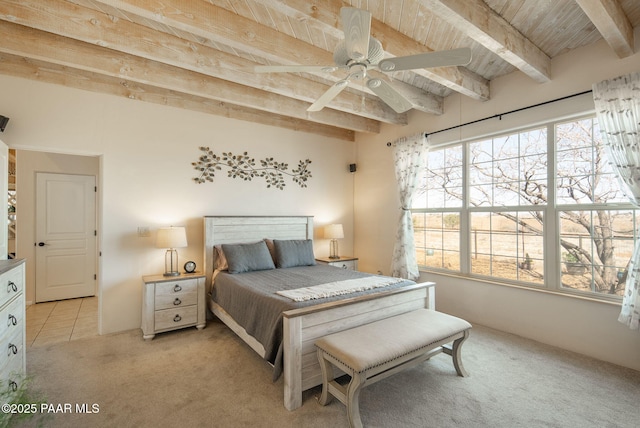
(617, 104)
(409, 154)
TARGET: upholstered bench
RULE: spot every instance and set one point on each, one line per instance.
(374, 351)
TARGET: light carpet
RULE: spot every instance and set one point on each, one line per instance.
(211, 378)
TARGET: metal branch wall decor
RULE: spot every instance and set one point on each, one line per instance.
(244, 167)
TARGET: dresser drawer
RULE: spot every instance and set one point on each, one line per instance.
(11, 284)
(11, 352)
(169, 319)
(173, 294)
(12, 371)
(12, 318)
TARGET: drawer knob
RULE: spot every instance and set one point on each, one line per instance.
(177, 302)
(344, 267)
(177, 318)
(11, 286)
(13, 349)
(177, 288)
(12, 320)
(13, 385)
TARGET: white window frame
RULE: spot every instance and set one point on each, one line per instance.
(551, 231)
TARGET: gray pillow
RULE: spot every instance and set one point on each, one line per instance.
(294, 252)
(248, 257)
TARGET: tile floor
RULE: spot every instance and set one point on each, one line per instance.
(62, 321)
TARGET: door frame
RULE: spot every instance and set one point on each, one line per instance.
(30, 161)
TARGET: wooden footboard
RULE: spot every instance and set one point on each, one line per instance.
(303, 326)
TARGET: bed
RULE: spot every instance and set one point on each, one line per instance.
(301, 322)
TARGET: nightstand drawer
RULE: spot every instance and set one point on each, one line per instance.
(349, 264)
(176, 294)
(176, 318)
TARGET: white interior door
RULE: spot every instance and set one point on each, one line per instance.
(65, 236)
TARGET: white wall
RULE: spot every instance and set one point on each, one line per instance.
(576, 324)
(145, 153)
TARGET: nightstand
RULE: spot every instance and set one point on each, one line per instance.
(172, 302)
(345, 262)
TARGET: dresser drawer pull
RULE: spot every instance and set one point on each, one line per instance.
(345, 267)
(11, 286)
(13, 349)
(13, 386)
(12, 320)
(177, 302)
(177, 288)
(177, 318)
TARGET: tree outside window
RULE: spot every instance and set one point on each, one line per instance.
(517, 193)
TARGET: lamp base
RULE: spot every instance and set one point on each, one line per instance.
(171, 274)
(171, 263)
(333, 249)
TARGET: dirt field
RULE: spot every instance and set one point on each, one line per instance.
(499, 250)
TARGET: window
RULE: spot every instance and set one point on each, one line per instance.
(506, 208)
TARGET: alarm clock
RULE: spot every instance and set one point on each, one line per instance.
(190, 267)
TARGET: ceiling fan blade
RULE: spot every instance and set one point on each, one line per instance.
(460, 56)
(329, 95)
(389, 95)
(356, 24)
(294, 68)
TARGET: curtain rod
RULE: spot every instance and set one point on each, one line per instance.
(499, 116)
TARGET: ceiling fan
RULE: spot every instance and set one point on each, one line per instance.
(359, 52)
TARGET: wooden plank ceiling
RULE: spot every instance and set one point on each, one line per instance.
(200, 54)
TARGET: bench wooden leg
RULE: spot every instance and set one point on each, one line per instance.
(456, 354)
(358, 380)
(327, 376)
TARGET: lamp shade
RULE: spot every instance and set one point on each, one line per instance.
(171, 237)
(333, 231)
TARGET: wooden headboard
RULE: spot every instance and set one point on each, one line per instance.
(238, 229)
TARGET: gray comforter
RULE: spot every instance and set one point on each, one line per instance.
(251, 299)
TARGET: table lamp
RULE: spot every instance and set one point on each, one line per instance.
(333, 232)
(171, 238)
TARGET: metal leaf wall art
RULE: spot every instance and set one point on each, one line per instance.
(246, 168)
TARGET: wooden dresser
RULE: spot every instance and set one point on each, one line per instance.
(170, 303)
(12, 326)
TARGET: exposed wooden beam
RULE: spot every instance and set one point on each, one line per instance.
(57, 49)
(612, 23)
(80, 24)
(476, 20)
(62, 75)
(209, 22)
